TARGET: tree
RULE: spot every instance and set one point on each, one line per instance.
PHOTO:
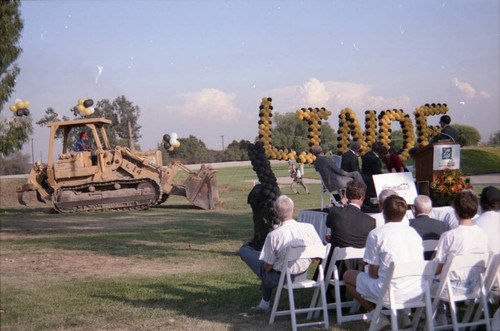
(291, 133)
(119, 112)
(15, 164)
(191, 150)
(467, 135)
(396, 140)
(52, 116)
(236, 151)
(16, 131)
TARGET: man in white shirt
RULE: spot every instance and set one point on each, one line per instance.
(267, 263)
(391, 242)
(489, 220)
(467, 238)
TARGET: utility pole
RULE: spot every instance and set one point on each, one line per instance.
(222, 136)
(130, 140)
(32, 153)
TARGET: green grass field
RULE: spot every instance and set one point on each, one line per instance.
(172, 267)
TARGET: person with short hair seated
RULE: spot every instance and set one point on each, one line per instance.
(467, 238)
(391, 242)
(428, 228)
(80, 145)
(266, 264)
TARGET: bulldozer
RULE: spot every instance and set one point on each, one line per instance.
(111, 179)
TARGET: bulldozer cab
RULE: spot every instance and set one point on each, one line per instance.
(69, 163)
(96, 126)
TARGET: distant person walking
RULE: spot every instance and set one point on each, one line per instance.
(297, 179)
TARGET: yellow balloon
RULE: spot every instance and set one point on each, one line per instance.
(81, 108)
(19, 104)
(171, 148)
(177, 144)
(13, 108)
(87, 112)
(81, 101)
(27, 103)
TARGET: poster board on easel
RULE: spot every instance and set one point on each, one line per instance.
(400, 182)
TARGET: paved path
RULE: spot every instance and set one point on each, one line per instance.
(482, 180)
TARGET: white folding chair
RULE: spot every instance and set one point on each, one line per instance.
(330, 194)
(333, 278)
(292, 254)
(430, 245)
(388, 298)
(477, 294)
(492, 285)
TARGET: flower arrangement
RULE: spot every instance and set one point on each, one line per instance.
(447, 185)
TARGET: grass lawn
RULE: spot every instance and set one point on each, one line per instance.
(171, 267)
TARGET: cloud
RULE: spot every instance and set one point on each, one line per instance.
(485, 94)
(468, 90)
(336, 96)
(465, 88)
(208, 105)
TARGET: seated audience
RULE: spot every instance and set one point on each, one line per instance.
(350, 226)
(428, 228)
(268, 263)
(370, 165)
(350, 161)
(465, 239)
(391, 242)
(489, 220)
(333, 177)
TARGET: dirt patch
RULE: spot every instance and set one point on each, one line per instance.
(73, 265)
(34, 227)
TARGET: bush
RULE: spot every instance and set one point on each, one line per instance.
(16, 164)
(467, 135)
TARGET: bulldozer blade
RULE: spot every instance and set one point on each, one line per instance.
(201, 189)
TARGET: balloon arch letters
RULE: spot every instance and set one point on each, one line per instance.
(350, 127)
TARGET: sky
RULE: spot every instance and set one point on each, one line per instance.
(202, 67)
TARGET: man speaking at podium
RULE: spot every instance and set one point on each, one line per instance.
(447, 132)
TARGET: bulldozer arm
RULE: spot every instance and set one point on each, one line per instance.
(199, 188)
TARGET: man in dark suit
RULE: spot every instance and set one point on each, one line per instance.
(350, 160)
(350, 226)
(333, 177)
(370, 165)
(447, 132)
(428, 228)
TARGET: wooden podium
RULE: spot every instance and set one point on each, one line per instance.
(428, 168)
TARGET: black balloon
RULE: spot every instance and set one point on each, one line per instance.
(166, 137)
(166, 145)
(88, 103)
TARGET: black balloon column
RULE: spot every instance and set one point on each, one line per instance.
(262, 196)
